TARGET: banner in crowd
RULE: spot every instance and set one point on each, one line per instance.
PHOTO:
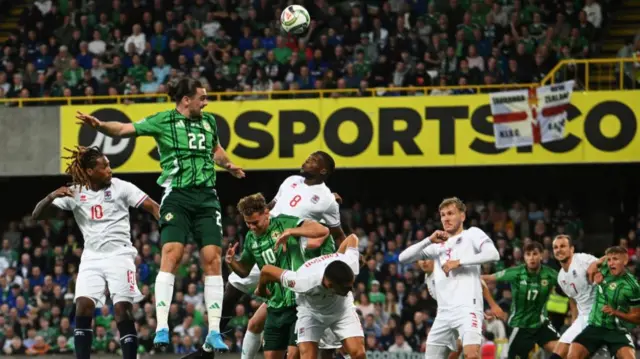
(526, 117)
(552, 104)
(512, 118)
(377, 132)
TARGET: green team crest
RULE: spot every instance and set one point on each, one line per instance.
(206, 125)
(275, 235)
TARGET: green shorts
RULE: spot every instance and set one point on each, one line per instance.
(280, 329)
(594, 338)
(524, 340)
(191, 212)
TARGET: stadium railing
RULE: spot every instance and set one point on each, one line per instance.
(590, 75)
(256, 95)
(597, 74)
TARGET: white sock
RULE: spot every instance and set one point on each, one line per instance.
(164, 294)
(251, 345)
(213, 295)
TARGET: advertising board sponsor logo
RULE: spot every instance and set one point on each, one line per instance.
(377, 132)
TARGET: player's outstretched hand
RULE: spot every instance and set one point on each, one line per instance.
(608, 310)
(87, 120)
(262, 291)
(63, 191)
(598, 278)
(231, 253)
(438, 236)
(282, 240)
(337, 197)
(499, 313)
(236, 171)
(450, 265)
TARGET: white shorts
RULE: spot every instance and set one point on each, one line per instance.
(311, 329)
(246, 285)
(576, 328)
(329, 341)
(448, 326)
(117, 274)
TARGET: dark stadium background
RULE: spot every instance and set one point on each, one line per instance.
(603, 199)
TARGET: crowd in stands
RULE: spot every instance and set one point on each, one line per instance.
(84, 48)
(39, 265)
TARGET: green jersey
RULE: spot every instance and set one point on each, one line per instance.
(261, 250)
(530, 292)
(620, 293)
(186, 148)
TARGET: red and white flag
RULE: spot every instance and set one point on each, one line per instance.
(553, 102)
(512, 118)
(525, 117)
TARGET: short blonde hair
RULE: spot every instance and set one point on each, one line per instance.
(251, 204)
(616, 250)
(453, 201)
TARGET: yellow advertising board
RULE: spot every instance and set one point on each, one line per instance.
(378, 132)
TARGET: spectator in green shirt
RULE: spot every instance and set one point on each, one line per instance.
(467, 27)
(240, 320)
(46, 332)
(578, 45)
(138, 71)
(198, 318)
(101, 339)
(478, 15)
(282, 52)
(74, 74)
(375, 296)
(361, 67)
(105, 318)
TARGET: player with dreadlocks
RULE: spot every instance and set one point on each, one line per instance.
(100, 205)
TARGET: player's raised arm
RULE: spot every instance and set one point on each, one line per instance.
(420, 250)
(221, 159)
(505, 275)
(288, 279)
(312, 230)
(332, 219)
(350, 242)
(486, 251)
(64, 193)
(594, 268)
(111, 128)
(243, 266)
(488, 277)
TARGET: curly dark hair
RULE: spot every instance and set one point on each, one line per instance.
(82, 158)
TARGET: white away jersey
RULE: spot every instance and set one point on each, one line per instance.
(462, 288)
(430, 281)
(295, 198)
(103, 216)
(311, 296)
(574, 282)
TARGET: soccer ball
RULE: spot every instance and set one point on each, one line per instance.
(295, 19)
